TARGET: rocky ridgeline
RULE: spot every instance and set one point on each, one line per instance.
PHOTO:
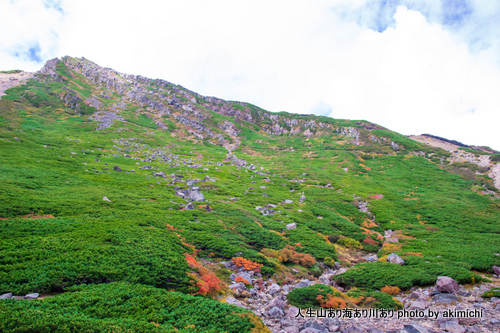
(268, 300)
(161, 97)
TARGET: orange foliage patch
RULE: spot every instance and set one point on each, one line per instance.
(418, 254)
(367, 223)
(247, 264)
(241, 279)
(288, 254)
(331, 302)
(391, 290)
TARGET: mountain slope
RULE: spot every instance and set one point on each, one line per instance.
(114, 177)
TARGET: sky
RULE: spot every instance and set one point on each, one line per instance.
(413, 66)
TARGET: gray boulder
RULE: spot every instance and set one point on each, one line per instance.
(333, 324)
(117, 168)
(446, 284)
(6, 296)
(417, 305)
(445, 298)
(496, 270)
(291, 226)
(190, 206)
(303, 283)
(302, 198)
(238, 285)
(277, 302)
(313, 327)
(325, 279)
(450, 325)
(287, 201)
(244, 275)
(32, 296)
(275, 312)
(273, 289)
(395, 259)
(196, 195)
(415, 328)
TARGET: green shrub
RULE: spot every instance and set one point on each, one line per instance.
(374, 276)
(122, 307)
(307, 297)
(495, 292)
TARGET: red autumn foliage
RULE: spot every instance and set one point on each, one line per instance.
(331, 302)
(391, 290)
(207, 280)
(369, 240)
(288, 254)
(247, 264)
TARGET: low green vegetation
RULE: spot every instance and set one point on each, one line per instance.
(122, 307)
(307, 297)
(495, 292)
(58, 233)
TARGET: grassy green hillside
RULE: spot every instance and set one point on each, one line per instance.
(58, 234)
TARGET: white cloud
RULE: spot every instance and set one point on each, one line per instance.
(29, 33)
(427, 66)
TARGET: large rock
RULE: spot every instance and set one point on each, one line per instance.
(303, 283)
(291, 226)
(326, 279)
(6, 296)
(196, 195)
(445, 298)
(417, 305)
(450, 325)
(237, 286)
(496, 270)
(275, 312)
(395, 259)
(415, 328)
(277, 302)
(273, 289)
(446, 284)
(117, 168)
(244, 275)
(32, 296)
(313, 327)
(333, 324)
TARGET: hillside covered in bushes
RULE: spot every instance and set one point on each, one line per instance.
(130, 201)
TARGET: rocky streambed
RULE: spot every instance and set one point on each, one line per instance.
(444, 307)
